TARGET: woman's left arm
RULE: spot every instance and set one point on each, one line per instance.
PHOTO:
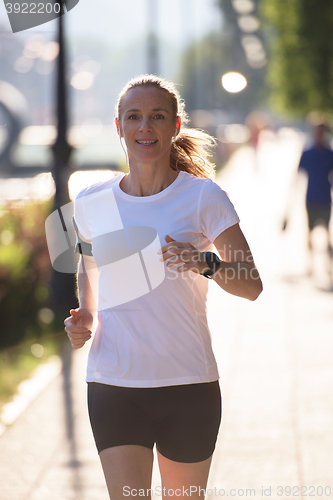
(237, 273)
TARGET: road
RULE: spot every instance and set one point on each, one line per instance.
(274, 357)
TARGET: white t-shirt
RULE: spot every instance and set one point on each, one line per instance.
(152, 327)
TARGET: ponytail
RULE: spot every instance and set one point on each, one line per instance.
(191, 152)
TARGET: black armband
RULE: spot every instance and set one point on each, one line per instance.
(81, 246)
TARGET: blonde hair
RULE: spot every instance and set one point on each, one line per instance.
(192, 147)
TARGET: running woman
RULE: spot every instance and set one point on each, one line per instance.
(152, 376)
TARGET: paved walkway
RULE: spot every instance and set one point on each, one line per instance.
(275, 355)
(275, 361)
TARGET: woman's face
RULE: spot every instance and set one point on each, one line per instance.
(147, 124)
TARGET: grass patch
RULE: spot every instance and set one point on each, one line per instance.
(17, 363)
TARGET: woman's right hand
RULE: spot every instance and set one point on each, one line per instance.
(78, 327)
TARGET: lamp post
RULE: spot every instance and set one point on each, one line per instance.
(63, 285)
(61, 148)
(152, 42)
(233, 83)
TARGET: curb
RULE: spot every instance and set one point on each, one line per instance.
(28, 390)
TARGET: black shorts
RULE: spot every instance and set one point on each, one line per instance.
(183, 420)
(318, 214)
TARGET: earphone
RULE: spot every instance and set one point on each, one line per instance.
(176, 133)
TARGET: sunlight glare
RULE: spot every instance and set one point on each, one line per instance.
(81, 180)
(233, 82)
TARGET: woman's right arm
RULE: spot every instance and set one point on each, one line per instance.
(79, 324)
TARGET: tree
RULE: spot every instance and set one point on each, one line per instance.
(301, 67)
(201, 73)
(204, 63)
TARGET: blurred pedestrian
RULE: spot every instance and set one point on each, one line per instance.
(152, 376)
(317, 163)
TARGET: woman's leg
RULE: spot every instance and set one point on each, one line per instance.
(182, 420)
(124, 437)
(186, 438)
(183, 480)
(127, 469)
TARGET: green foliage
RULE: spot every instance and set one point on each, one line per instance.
(301, 67)
(25, 271)
(17, 363)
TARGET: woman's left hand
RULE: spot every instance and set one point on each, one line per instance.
(176, 252)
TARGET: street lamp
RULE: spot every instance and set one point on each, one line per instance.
(61, 148)
(152, 42)
(63, 285)
(233, 82)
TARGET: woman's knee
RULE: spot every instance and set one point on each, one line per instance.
(184, 479)
(127, 470)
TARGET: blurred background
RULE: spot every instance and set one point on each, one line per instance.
(256, 74)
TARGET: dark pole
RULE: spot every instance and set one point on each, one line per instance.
(63, 285)
(152, 48)
(61, 148)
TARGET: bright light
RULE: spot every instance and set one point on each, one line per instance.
(38, 135)
(233, 82)
(93, 66)
(45, 315)
(81, 180)
(90, 129)
(255, 53)
(23, 64)
(37, 350)
(235, 133)
(82, 80)
(50, 51)
(34, 47)
(243, 6)
(85, 63)
(251, 44)
(248, 24)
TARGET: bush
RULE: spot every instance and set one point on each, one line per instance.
(25, 272)
(17, 363)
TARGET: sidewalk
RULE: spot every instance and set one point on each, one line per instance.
(274, 357)
(275, 360)
(49, 453)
